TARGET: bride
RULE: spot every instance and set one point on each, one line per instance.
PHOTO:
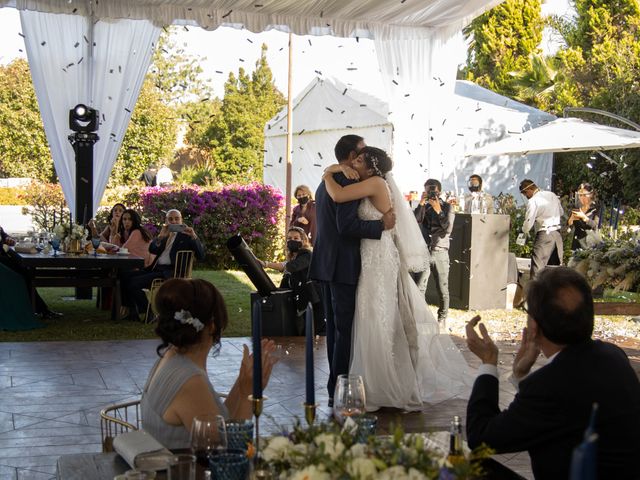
(397, 348)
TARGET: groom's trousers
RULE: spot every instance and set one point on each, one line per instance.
(339, 301)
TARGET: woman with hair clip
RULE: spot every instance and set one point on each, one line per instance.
(191, 318)
(396, 344)
(584, 217)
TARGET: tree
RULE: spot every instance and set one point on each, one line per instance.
(601, 69)
(503, 41)
(150, 137)
(24, 151)
(236, 135)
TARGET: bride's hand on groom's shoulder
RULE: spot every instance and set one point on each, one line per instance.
(349, 172)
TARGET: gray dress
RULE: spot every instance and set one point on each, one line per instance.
(158, 395)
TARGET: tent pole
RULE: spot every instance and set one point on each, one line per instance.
(289, 137)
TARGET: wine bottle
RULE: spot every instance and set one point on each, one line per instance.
(456, 453)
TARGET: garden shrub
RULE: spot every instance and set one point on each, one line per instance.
(45, 203)
(253, 211)
(10, 196)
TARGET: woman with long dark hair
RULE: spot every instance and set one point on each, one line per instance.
(132, 236)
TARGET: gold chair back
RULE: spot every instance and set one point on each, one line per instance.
(184, 264)
(117, 419)
(151, 297)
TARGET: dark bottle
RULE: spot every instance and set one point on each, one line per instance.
(455, 441)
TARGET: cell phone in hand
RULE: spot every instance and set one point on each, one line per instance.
(177, 227)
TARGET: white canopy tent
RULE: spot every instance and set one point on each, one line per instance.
(413, 42)
(480, 116)
(322, 113)
(563, 135)
(327, 109)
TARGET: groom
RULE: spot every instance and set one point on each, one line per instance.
(336, 260)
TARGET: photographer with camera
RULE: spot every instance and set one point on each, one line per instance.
(436, 219)
(173, 237)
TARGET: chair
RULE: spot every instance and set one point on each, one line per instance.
(183, 269)
(151, 297)
(184, 264)
(117, 419)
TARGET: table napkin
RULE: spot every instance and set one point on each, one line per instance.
(141, 451)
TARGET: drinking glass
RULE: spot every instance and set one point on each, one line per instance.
(55, 244)
(95, 241)
(208, 437)
(182, 467)
(349, 398)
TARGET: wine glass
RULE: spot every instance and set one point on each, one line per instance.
(349, 398)
(55, 244)
(208, 437)
(95, 241)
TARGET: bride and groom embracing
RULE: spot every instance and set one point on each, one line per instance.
(378, 323)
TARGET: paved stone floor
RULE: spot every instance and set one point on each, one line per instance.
(51, 395)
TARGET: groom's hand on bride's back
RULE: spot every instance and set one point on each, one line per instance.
(389, 219)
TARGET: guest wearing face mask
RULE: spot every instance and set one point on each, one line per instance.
(295, 276)
(477, 201)
(304, 214)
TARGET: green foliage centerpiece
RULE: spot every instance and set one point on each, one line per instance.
(327, 451)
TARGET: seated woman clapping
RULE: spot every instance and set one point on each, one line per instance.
(191, 317)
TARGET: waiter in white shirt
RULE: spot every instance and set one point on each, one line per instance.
(543, 213)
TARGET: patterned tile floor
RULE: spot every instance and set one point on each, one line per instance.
(51, 395)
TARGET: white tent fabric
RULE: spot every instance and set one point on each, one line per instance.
(322, 113)
(325, 111)
(480, 116)
(564, 135)
(74, 60)
(320, 17)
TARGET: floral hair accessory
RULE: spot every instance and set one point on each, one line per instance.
(185, 318)
(374, 164)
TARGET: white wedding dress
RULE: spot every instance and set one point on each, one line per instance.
(396, 345)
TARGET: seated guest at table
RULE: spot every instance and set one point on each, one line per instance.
(17, 313)
(296, 274)
(551, 411)
(133, 236)
(191, 318)
(165, 246)
(12, 261)
(109, 233)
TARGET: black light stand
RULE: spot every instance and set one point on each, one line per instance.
(83, 121)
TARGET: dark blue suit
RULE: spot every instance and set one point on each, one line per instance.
(551, 411)
(336, 264)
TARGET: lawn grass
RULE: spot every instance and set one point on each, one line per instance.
(83, 321)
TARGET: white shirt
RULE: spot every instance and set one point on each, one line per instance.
(165, 256)
(164, 175)
(544, 211)
(490, 369)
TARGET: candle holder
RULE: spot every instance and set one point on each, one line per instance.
(257, 404)
(310, 413)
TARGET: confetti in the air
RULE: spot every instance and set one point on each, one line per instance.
(227, 14)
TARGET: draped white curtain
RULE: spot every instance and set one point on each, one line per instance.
(419, 73)
(102, 64)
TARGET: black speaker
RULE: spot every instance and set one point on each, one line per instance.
(279, 317)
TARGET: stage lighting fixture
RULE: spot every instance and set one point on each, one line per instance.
(83, 119)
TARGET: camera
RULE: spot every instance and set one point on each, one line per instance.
(432, 192)
(176, 227)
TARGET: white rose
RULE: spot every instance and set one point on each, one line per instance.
(393, 473)
(415, 475)
(277, 449)
(358, 450)
(333, 446)
(362, 468)
(298, 454)
(311, 472)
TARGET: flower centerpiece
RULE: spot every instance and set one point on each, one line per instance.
(71, 235)
(327, 452)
